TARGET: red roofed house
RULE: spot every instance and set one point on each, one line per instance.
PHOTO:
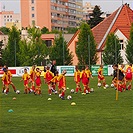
(119, 23)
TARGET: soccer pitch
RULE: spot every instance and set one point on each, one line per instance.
(97, 112)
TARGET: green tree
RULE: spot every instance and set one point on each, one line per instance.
(33, 50)
(5, 30)
(57, 52)
(10, 53)
(44, 30)
(71, 30)
(95, 17)
(129, 47)
(84, 46)
(111, 52)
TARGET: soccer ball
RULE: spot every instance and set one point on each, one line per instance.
(55, 92)
(59, 95)
(69, 97)
(17, 92)
(112, 85)
(5, 91)
(72, 90)
(99, 84)
(106, 85)
(31, 90)
(92, 90)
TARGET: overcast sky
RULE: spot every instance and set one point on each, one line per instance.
(106, 5)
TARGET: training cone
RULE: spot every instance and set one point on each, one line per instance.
(73, 103)
(14, 98)
(49, 99)
(10, 110)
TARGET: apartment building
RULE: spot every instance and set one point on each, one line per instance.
(8, 17)
(53, 14)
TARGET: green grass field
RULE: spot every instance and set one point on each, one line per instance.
(97, 112)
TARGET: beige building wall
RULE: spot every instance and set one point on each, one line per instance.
(36, 12)
(25, 18)
(72, 48)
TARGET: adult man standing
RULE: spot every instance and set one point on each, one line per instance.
(53, 67)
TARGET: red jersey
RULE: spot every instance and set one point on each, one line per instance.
(77, 76)
(48, 75)
(129, 73)
(38, 79)
(5, 79)
(84, 77)
(62, 81)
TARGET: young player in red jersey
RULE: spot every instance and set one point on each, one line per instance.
(89, 74)
(10, 79)
(38, 82)
(62, 84)
(77, 79)
(101, 78)
(54, 81)
(5, 81)
(84, 78)
(26, 78)
(48, 75)
(32, 77)
(128, 76)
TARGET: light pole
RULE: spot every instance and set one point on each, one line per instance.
(89, 49)
(1, 44)
(63, 41)
(15, 52)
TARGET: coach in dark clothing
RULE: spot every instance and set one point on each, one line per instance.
(117, 71)
(53, 67)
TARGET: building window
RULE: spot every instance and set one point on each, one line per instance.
(10, 16)
(32, 8)
(8, 20)
(7, 16)
(32, 1)
(48, 43)
(4, 16)
(33, 15)
(122, 44)
(33, 22)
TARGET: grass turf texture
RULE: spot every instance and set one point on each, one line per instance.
(97, 112)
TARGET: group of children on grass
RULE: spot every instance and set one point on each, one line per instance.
(32, 81)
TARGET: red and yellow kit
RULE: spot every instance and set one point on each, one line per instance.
(129, 72)
(38, 78)
(9, 76)
(32, 74)
(88, 72)
(54, 80)
(100, 74)
(77, 76)
(5, 79)
(48, 76)
(62, 81)
(26, 78)
(84, 78)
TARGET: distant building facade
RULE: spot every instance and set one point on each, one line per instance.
(53, 14)
(8, 17)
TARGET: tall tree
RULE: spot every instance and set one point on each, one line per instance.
(112, 52)
(95, 17)
(129, 47)
(44, 30)
(33, 50)
(60, 52)
(71, 30)
(10, 53)
(86, 47)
